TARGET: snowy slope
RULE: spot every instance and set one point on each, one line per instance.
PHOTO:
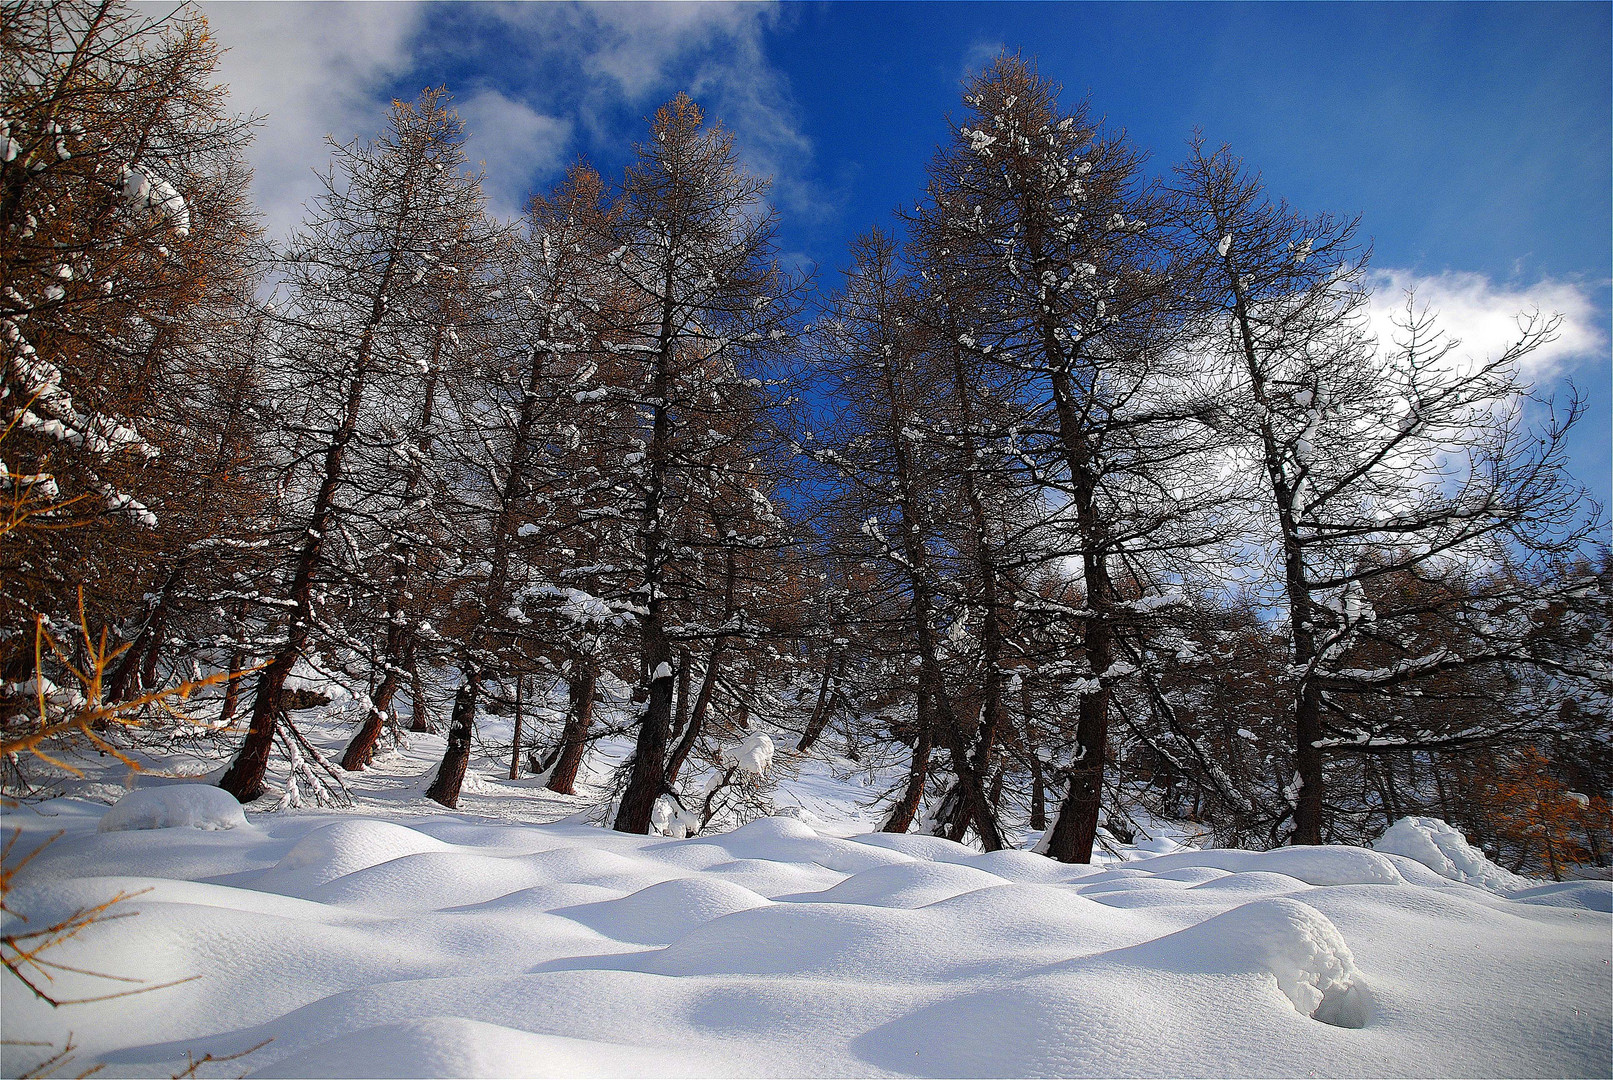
(397, 941)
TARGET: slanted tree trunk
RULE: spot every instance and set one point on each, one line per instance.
(244, 779)
(361, 750)
(451, 772)
(832, 665)
(906, 807)
(579, 717)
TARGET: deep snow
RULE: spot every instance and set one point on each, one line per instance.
(401, 940)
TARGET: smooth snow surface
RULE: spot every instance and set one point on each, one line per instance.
(452, 946)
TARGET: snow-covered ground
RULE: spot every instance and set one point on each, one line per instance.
(515, 938)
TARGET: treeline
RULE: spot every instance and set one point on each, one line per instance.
(1083, 492)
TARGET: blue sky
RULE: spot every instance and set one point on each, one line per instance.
(1472, 139)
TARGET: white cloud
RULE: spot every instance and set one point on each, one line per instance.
(516, 142)
(597, 69)
(311, 70)
(615, 60)
(1485, 317)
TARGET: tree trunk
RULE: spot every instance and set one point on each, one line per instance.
(1038, 779)
(906, 808)
(244, 779)
(697, 720)
(361, 749)
(515, 740)
(821, 711)
(647, 774)
(579, 717)
(681, 716)
(1077, 826)
(419, 712)
(647, 781)
(451, 773)
(232, 689)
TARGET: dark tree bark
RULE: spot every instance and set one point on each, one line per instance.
(451, 772)
(579, 718)
(515, 739)
(906, 807)
(821, 711)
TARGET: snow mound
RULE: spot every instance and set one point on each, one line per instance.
(1446, 852)
(197, 806)
(342, 848)
(1587, 895)
(1325, 865)
(665, 912)
(417, 942)
(1296, 944)
(786, 840)
(452, 1046)
(906, 885)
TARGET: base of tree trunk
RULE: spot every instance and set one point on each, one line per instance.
(361, 750)
(451, 773)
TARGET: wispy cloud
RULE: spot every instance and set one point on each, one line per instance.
(1484, 317)
(312, 70)
(980, 54)
(608, 65)
(551, 80)
(516, 142)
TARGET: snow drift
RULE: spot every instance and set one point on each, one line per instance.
(450, 945)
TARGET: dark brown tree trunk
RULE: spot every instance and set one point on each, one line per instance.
(1077, 827)
(820, 711)
(906, 808)
(697, 720)
(361, 749)
(647, 775)
(993, 709)
(232, 689)
(451, 772)
(515, 739)
(681, 716)
(932, 681)
(647, 781)
(419, 711)
(138, 669)
(1038, 779)
(579, 718)
(244, 779)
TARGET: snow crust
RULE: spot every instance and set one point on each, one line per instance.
(176, 806)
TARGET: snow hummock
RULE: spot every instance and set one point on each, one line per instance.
(400, 939)
(1447, 853)
(176, 806)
